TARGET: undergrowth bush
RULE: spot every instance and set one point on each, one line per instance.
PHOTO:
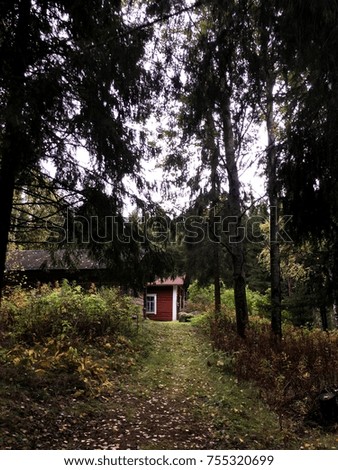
(202, 321)
(67, 340)
(289, 377)
(202, 299)
(66, 311)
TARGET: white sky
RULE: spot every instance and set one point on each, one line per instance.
(250, 177)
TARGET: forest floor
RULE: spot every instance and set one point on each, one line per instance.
(177, 398)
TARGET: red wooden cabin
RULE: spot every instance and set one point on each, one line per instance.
(163, 299)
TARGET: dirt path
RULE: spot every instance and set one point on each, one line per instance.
(175, 401)
(161, 406)
(180, 398)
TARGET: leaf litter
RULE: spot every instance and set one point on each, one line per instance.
(172, 399)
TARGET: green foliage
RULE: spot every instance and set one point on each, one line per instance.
(64, 340)
(67, 311)
(202, 321)
(201, 299)
(64, 73)
(259, 304)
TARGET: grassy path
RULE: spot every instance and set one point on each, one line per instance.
(178, 401)
(177, 397)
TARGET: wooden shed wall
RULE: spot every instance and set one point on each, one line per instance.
(164, 302)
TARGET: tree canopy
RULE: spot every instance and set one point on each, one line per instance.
(186, 87)
(71, 76)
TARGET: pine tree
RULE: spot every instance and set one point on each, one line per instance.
(214, 105)
(71, 75)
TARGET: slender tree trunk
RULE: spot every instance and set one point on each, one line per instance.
(215, 192)
(236, 238)
(13, 145)
(334, 280)
(333, 289)
(217, 282)
(272, 161)
(7, 180)
(323, 317)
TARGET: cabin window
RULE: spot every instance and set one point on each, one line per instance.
(151, 304)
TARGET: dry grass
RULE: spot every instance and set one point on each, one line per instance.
(289, 376)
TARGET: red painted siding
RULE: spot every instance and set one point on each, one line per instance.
(164, 302)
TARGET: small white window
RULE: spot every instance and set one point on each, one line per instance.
(151, 304)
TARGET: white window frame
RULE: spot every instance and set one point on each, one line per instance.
(155, 304)
(174, 306)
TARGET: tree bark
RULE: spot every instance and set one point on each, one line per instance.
(272, 162)
(215, 194)
(323, 317)
(7, 180)
(217, 282)
(236, 239)
(14, 143)
(334, 279)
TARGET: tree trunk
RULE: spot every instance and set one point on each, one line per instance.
(217, 282)
(276, 309)
(323, 317)
(14, 142)
(7, 179)
(215, 192)
(334, 280)
(235, 237)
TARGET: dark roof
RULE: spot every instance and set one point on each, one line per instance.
(177, 281)
(43, 260)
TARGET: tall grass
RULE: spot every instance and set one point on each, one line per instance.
(289, 377)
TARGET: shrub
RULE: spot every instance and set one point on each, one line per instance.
(199, 298)
(258, 304)
(64, 340)
(202, 299)
(291, 376)
(202, 322)
(67, 311)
